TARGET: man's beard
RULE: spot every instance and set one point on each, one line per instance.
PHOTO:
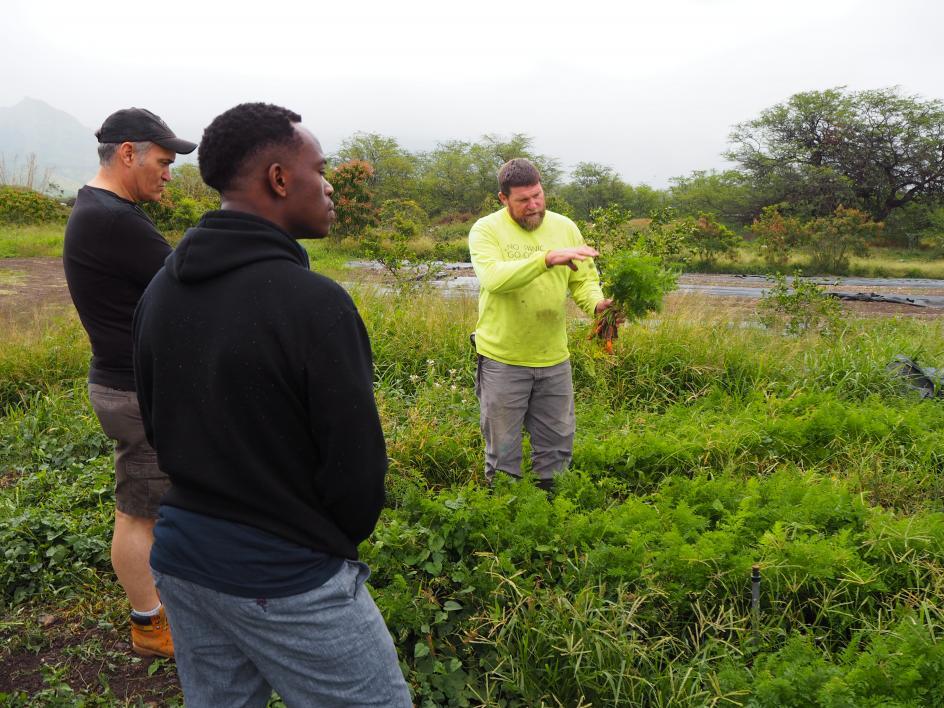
(530, 222)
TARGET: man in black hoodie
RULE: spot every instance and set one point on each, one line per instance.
(255, 381)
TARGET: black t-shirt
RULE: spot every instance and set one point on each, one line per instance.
(234, 558)
(112, 250)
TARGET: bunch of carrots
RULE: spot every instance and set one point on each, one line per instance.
(637, 283)
(606, 327)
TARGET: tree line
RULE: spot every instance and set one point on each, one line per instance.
(880, 152)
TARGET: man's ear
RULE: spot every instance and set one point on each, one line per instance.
(277, 179)
(125, 154)
(503, 199)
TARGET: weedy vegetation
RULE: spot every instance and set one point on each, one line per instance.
(703, 447)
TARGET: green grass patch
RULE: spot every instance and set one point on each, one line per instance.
(880, 263)
(31, 241)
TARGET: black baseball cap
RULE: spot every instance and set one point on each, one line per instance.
(133, 125)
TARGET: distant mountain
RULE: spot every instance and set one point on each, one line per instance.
(61, 144)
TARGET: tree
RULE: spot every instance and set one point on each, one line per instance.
(832, 239)
(594, 186)
(395, 169)
(187, 182)
(450, 181)
(492, 151)
(708, 239)
(353, 201)
(877, 150)
(779, 235)
(727, 194)
(458, 176)
(643, 199)
(185, 199)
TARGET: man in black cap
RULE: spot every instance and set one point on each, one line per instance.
(112, 250)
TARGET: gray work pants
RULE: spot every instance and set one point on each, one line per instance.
(540, 399)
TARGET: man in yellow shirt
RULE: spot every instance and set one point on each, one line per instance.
(527, 259)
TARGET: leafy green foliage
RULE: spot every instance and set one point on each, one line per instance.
(801, 306)
(607, 231)
(19, 205)
(876, 150)
(779, 235)
(702, 449)
(832, 239)
(637, 283)
(353, 201)
(395, 170)
(709, 239)
(392, 245)
(728, 194)
(185, 200)
(667, 236)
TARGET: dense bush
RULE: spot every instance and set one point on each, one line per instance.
(832, 239)
(19, 205)
(186, 198)
(709, 239)
(353, 201)
(779, 236)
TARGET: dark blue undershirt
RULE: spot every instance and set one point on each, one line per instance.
(234, 558)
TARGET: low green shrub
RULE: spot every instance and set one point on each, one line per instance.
(19, 205)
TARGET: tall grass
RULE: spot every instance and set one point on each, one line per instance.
(703, 447)
(44, 351)
(43, 240)
(880, 263)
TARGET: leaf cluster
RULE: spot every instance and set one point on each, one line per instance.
(637, 282)
(799, 307)
(19, 205)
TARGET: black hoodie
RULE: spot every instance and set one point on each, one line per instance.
(255, 381)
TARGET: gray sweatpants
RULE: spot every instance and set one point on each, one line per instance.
(540, 399)
(325, 647)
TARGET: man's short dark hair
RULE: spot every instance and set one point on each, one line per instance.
(519, 172)
(239, 133)
(107, 151)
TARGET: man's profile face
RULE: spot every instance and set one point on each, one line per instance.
(311, 211)
(150, 171)
(525, 205)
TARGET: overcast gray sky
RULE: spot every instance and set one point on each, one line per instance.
(650, 89)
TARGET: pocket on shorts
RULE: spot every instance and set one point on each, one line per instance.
(143, 470)
(139, 488)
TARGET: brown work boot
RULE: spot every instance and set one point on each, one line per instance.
(153, 638)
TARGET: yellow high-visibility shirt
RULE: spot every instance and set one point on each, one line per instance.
(522, 301)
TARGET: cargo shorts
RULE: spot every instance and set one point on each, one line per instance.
(139, 483)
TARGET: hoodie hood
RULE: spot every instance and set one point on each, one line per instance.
(227, 240)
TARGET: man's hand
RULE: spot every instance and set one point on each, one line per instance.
(605, 305)
(567, 256)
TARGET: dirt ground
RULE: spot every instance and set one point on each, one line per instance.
(28, 285)
(58, 653)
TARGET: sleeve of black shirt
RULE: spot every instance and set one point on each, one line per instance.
(346, 427)
(149, 250)
(143, 375)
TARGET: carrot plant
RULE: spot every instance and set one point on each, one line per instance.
(637, 284)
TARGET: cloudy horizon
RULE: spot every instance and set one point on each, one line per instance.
(651, 92)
